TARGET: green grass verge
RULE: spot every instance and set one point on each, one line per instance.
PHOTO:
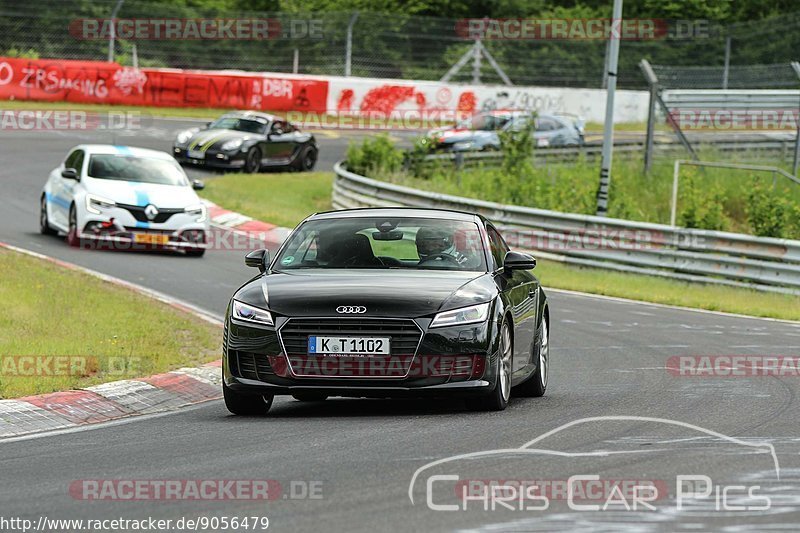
(664, 291)
(742, 201)
(103, 332)
(278, 198)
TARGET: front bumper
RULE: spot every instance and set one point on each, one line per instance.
(212, 158)
(117, 228)
(452, 361)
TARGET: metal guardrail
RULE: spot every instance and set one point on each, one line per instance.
(746, 99)
(770, 148)
(640, 247)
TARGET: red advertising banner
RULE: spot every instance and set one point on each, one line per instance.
(97, 82)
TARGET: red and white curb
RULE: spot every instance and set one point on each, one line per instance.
(131, 397)
(116, 399)
(269, 234)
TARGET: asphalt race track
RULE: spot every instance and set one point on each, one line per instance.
(359, 456)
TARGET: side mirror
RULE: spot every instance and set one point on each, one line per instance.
(518, 261)
(70, 174)
(258, 259)
(198, 185)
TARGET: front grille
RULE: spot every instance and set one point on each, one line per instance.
(404, 333)
(163, 215)
(134, 229)
(252, 366)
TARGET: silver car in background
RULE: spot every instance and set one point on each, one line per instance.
(549, 130)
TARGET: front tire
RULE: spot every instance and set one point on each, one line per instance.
(306, 159)
(497, 400)
(245, 404)
(73, 239)
(195, 252)
(44, 222)
(252, 162)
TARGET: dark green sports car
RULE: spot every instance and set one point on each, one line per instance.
(247, 140)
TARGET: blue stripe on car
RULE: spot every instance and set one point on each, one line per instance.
(50, 198)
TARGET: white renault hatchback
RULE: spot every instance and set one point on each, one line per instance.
(118, 197)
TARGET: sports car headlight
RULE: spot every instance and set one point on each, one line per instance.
(465, 315)
(233, 144)
(249, 313)
(183, 137)
(95, 203)
(198, 210)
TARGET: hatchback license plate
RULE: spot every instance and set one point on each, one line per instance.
(348, 345)
(150, 238)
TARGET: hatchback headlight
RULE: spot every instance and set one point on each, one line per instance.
(248, 313)
(198, 210)
(464, 315)
(95, 203)
(233, 144)
(184, 136)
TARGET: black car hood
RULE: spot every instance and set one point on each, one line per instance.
(385, 293)
(216, 137)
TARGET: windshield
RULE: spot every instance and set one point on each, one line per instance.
(376, 243)
(239, 124)
(484, 122)
(140, 169)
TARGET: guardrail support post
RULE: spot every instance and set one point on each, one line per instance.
(608, 127)
(673, 209)
(652, 81)
(112, 36)
(348, 52)
(796, 162)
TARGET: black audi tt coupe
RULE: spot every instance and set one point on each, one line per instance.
(387, 302)
(247, 140)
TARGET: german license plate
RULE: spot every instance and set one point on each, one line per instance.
(348, 345)
(150, 238)
(195, 154)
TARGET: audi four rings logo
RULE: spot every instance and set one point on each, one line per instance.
(351, 309)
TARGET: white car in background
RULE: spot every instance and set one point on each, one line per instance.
(118, 197)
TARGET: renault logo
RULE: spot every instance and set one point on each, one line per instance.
(151, 211)
(351, 309)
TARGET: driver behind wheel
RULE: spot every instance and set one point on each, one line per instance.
(434, 243)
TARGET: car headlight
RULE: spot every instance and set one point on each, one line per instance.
(184, 136)
(465, 315)
(233, 144)
(198, 210)
(95, 203)
(248, 313)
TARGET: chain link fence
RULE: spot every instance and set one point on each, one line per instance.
(391, 46)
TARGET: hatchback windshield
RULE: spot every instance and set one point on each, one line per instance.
(141, 169)
(484, 122)
(239, 124)
(413, 243)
